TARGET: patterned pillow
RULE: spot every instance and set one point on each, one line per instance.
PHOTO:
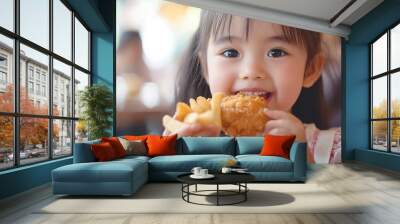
(134, 147)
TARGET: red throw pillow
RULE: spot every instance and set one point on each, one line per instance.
(103, 151)
(275, 145)
(161, 145)
(116, 145)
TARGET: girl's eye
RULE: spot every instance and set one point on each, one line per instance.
(275, 53)
(231, 53)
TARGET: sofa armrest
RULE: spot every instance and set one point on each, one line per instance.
(83, 153)
(298, 155)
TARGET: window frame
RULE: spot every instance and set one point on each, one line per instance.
(388, 74)
(16, 115)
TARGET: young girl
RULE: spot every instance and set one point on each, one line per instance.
(233, 54)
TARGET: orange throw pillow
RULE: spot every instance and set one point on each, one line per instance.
(161, 145)
(275, 145)
(116, 145)
(103, 152)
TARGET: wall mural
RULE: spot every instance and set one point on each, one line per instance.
(193, 72)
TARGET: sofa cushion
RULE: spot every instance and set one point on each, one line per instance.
(275, 145)
(185, 163)
(249, 145)
(111, 171)
(206, 145)
(257, 163)
(161, 145)
(103, 151)
(116, 145)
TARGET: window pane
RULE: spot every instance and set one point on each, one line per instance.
(62, 89)
(7, 14)
(6, 142)
(379, 55)
(62, 29)
(34, 72)
(395, 94)
(35, 21)
(81, 81)
(33, 140)
(81, 45)
(379, 135)
(62, 141)
(395, 136)
(379, 97)
(6, 74)
(81, 132)
(395, 47)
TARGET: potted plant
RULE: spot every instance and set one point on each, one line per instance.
(96, 102)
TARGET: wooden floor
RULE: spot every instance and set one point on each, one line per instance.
(378, 188)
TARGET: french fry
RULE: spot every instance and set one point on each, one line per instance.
(194, 106)
(201, 111)
(182, 109)
(191, 118)
(171, 124)
(216, 107)
(203, 103)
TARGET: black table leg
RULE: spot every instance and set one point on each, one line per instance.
(245, 193)
(196, 188)
(217, 194)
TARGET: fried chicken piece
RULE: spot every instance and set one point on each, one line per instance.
(243, 115)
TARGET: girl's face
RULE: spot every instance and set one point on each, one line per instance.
(264, 64)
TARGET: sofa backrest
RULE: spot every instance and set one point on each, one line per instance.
(206, 145)
(83, 152)
(249, 145)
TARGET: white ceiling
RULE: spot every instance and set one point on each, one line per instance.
(319, 9)
(317, 15)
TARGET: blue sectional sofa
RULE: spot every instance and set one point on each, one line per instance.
(125, 176)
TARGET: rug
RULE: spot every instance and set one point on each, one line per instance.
(166, 198)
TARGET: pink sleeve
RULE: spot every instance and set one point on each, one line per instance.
(324, 145)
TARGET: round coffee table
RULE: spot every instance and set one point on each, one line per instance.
(238, 179)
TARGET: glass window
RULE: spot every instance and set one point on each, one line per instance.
(30, 87)
(62, 72)
(6, 73)
(7, 14)
(385, 125)
(62, 137)
(34, 79)
(395, 136)
(379, 98)
(395, 47)
(395, 95)
(33, 140)
(6, 142)
(81, 45)
(379, 135)
(81, 131)
(81, 81)
(62, 29)
(379, 56)
(40, 62)
(35, 21)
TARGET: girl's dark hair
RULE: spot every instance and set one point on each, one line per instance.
(191, 82)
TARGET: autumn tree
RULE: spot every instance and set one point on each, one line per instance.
(33, 130)
(380, 127)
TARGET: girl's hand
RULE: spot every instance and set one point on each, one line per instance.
(195, 130)
(198, 130)
(284, 123)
